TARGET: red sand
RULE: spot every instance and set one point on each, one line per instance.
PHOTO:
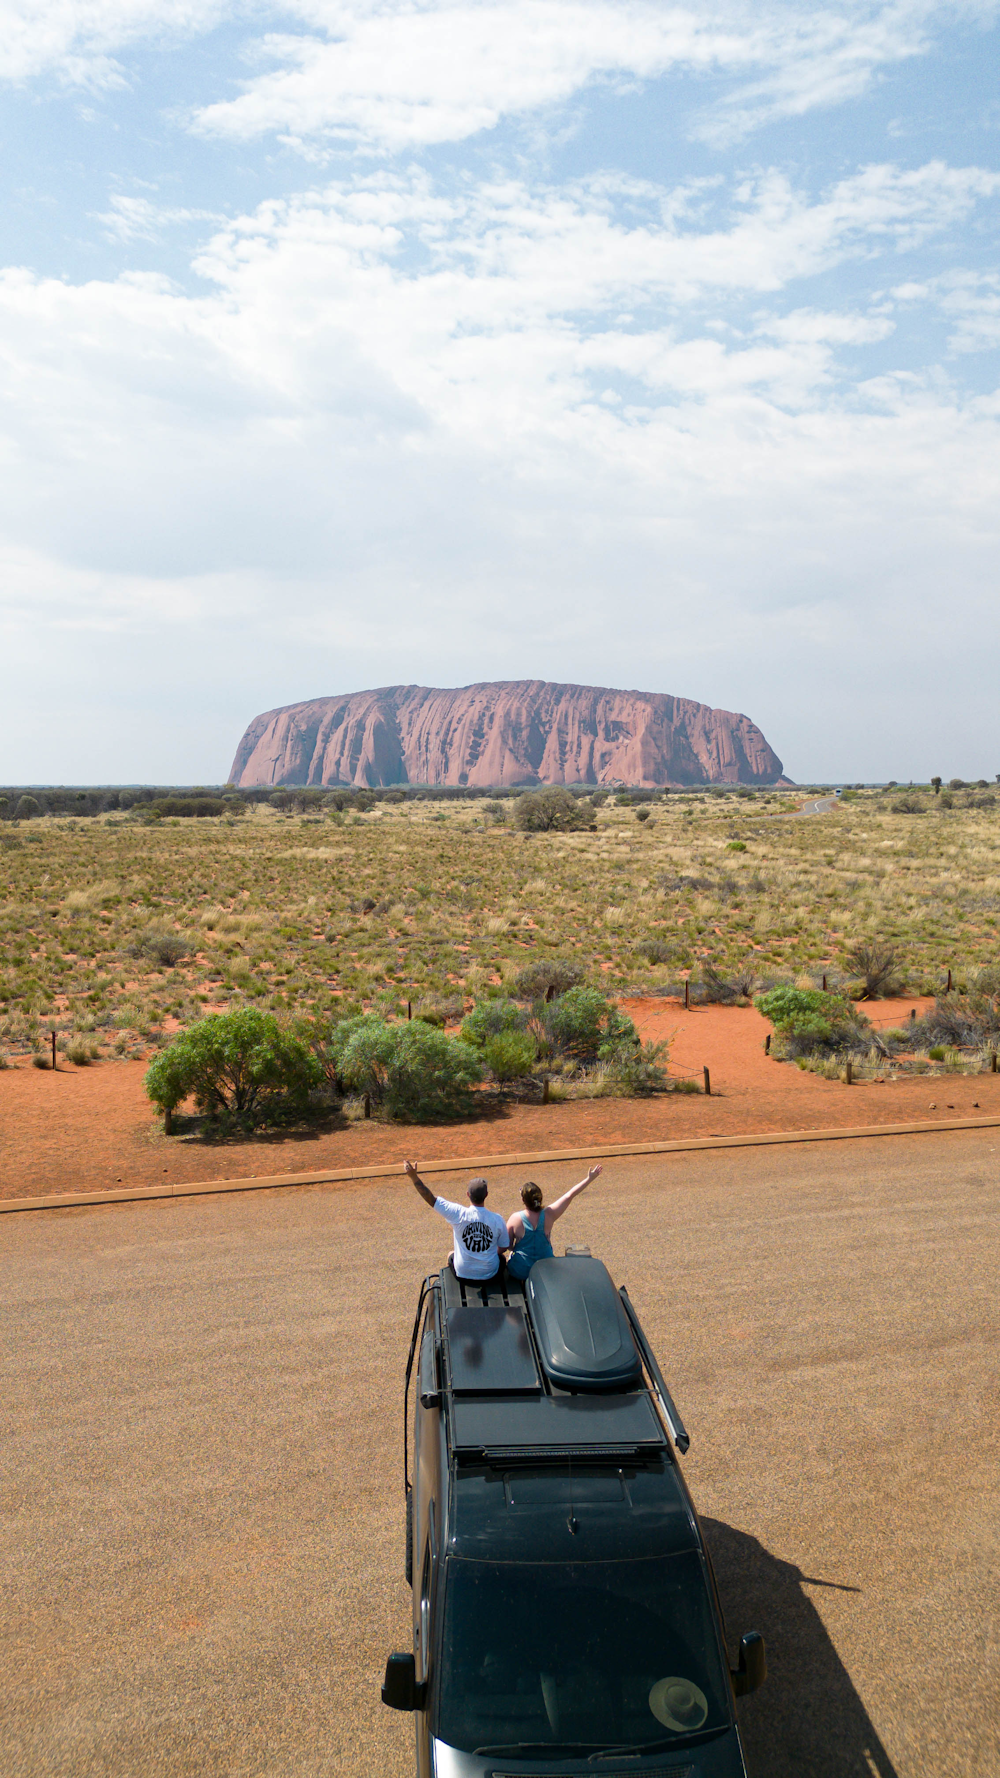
(82, 1129)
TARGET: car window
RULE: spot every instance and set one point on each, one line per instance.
(583, 1654)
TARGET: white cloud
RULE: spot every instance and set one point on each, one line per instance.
(133, 218)
(396, 76)
(378, 446)
(78, 39)
(971, 302)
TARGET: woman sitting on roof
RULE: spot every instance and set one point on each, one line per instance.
(530, 1229)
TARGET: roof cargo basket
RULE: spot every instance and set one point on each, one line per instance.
(581, 1330)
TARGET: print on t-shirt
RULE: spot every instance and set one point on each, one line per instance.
(477, 1237)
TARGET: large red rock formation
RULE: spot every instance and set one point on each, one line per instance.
(519, 731)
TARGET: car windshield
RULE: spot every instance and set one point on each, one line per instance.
(581, 1655)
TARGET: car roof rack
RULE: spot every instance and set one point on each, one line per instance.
(513, 1389)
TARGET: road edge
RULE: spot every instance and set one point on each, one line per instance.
(466, 1163)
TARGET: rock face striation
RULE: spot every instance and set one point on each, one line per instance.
(519, 731)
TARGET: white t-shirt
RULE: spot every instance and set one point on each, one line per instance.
(479, 1236)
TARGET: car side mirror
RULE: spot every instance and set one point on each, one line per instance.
(752, 1670)
(401, 1690)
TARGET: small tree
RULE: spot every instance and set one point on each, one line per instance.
(936, 786)
(551, 810)
(26, 807)
(242, 1064)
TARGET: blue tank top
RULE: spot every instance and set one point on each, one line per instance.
(534, 1244)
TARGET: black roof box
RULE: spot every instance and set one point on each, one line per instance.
(581, 1330)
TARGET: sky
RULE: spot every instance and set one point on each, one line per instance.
(355, 344)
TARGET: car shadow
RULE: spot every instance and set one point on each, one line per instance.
(807, 1718)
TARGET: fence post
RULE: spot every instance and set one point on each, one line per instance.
(708, 1083)
(409, 1009)
(824, 984)
(767, 1044)
(53, 1049)
(993, 1061)
(913, 1015)
(168, 1120)
(368, 1105)
(687, 993)
(848, 1073)
(948, 988)
(545, 1090)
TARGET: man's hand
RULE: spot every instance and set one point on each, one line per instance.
(410, 1169)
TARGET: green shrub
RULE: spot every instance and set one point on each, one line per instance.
(438, 1010)
(414, 1072)
(27, 807)
(636, 1070)
(534, 981)
(166, 948)
(241, 1064)
(509, 1055)
(491, 1018)
(643, 814)
(173, 806)
(736, 846)
(583, 1023)
(937, 1052)
(654, 950)
(808, 1018)
(551, 810)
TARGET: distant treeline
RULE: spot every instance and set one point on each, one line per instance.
(24, 802)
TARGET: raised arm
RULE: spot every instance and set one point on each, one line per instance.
(554, 1211)
(410, 1169)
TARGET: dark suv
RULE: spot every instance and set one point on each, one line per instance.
(565, 1615)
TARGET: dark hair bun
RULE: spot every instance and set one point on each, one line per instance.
(531, 1196)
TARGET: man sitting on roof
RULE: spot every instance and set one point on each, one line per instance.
(480, 1235)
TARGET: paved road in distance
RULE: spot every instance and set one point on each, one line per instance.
(820, 805)
(200, 1497)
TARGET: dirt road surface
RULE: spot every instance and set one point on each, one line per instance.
(201, 1532)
